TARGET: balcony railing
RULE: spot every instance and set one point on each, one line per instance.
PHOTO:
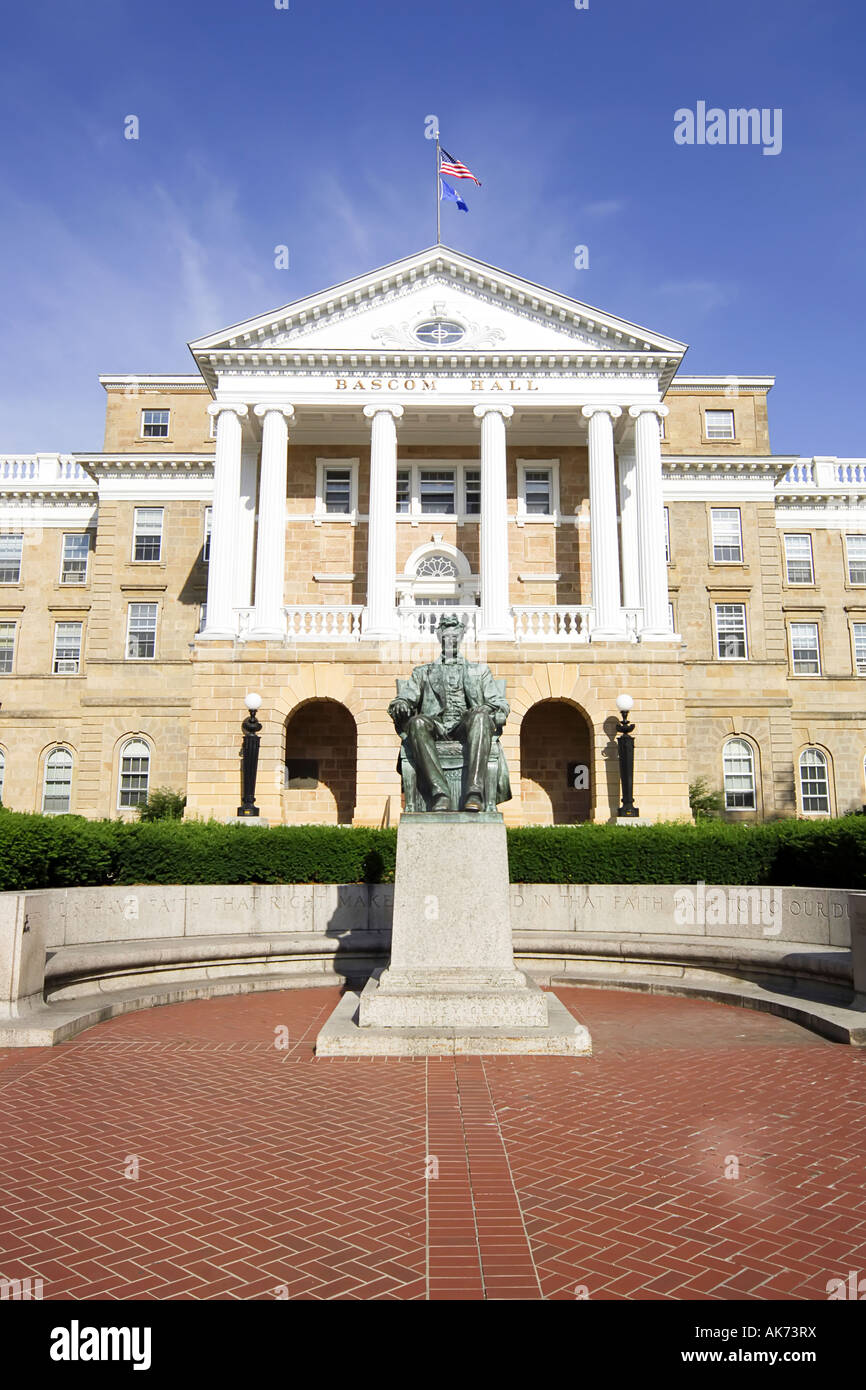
(41, 468)
(825, 474)
(566, 624)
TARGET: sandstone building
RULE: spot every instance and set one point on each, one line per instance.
(291, 518)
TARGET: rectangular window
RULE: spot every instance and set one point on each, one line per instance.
(437, 491)
(10, 558)
(856, 549)
(538, 492)
(814, 782)
(338, 491)
(141, 632)
(472, 491)
(208, 526)
(73, 564)
(134, 774)
(147, 533)
(727, 535)
(67, 649)
(7, 648)
(805, 657)
(860, 648)
(667, 525)
(798, 560)
(739, 776)
(404, 491)
(154, 424)
(57, 785)
(202, 617)
(719, 424)
(731, 631)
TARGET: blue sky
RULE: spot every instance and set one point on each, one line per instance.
(305, 127)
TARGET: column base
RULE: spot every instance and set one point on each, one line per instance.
(609, 634)
(657, 634)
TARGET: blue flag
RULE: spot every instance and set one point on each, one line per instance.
(452, 195)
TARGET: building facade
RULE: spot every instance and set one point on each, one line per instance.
(435, 435)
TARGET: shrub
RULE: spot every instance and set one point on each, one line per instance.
(65, 851)
(162, 804)
(706, 804)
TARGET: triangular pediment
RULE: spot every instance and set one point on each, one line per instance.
(435, 303)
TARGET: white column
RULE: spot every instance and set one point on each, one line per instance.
(604, 549)
(268, 618)
(221, 621)
(381, 618)
(650, 508)
(246, 527)
(628, 529)
(496, 619)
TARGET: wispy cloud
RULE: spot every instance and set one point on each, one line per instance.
(604, 207)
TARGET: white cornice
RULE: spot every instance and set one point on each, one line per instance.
(188, 381)
(770, 465)
(726, 384)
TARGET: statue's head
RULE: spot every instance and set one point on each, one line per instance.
(450, 633)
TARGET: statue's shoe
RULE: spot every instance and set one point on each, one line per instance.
(440, 803)
(473, 803)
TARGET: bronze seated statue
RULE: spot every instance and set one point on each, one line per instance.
(449, 716)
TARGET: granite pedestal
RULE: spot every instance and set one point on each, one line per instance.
(451, 985)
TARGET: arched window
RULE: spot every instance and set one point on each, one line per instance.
(57, 784)
(738, 763)
(814, 781)
(2, 774)
(134, 773)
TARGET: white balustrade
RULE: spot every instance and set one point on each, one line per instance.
(41, 468)
(553, 622)
(419, 624)
(313, 622)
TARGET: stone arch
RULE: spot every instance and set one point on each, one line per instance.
(320, 753)
(554, 735)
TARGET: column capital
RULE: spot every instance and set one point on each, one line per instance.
(614, 411)
(266, 406)
(660, 410)
(372, 410)
(506, 411)
(217, 407)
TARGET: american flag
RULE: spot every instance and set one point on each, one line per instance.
(452, 166)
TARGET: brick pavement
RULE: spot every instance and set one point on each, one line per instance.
(263, 1172)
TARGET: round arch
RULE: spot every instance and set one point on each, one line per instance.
(556, 764)
(320, 763)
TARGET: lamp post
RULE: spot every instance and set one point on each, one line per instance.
(251, 729)
(626, 757)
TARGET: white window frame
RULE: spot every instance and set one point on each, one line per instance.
(823, 760)
(156, 410)
(52, 753)
(799, 559)
(717, 411)
(11, 622)
(718, 653)
(207, 534)
(2, 774)
(136, 739)
(74, 661)
(662, 434)
(667, 524)
(800, 623)
(459, 467)
(74, 536)
(859, 667)
(723, 543)
(12, 536)
(732, 792)
(525, 466)
(141, 603)
(320, 514)
(856, 583)
(138, 511)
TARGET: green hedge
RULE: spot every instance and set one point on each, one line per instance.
(65, 851)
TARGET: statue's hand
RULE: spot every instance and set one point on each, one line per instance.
(399, 710)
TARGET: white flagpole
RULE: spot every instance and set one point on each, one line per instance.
(438, 193)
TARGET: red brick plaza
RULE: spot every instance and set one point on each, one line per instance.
(265, 1173)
